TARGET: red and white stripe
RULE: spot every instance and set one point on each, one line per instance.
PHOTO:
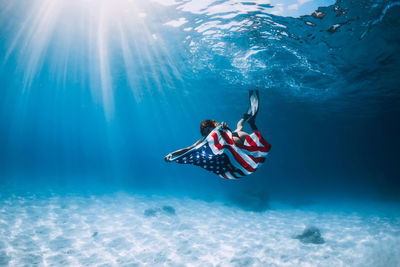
(246, 158)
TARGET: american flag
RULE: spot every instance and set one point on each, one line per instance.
(220, 155)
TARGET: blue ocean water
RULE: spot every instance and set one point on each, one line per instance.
(94, 94)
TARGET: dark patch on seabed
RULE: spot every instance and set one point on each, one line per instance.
(311, 235)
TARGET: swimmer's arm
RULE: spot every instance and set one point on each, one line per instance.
(182, 151)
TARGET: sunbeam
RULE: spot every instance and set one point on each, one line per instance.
(95, 31)
(101, 99)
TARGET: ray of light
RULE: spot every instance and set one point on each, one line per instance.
(88, 35)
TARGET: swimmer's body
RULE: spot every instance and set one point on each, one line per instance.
(239, 136)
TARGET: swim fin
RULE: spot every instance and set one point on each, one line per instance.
(253, 105)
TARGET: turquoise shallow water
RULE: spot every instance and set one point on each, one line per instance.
(134, 230)
(94, 94)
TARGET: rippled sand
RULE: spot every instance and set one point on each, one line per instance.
(116, 230)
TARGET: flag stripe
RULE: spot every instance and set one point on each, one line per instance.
(219, 153)
(236, 156)
(244, 155)
(224, 176)
(257, 159)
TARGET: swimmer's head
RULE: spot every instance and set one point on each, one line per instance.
(207, 126)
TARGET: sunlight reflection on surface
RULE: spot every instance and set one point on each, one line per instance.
(76, 38)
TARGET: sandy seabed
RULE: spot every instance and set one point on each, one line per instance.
(137, 230)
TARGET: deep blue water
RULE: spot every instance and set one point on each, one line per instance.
(94, 94)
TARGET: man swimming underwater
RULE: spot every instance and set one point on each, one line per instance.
(239, 136)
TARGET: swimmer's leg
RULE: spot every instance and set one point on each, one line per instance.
(252, 123)
(239, 136)
(253, 104)
(250, 115)
(239, 126)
